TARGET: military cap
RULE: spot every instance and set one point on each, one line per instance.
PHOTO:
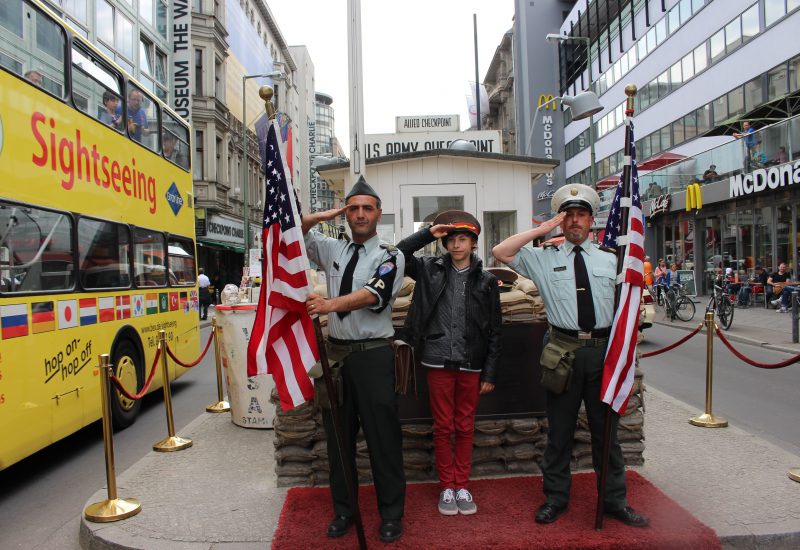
(464, 222)
(362, 188)
(505, 277)
(575, 195)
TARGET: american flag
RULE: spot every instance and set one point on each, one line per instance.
(282, 342)
(618, 368)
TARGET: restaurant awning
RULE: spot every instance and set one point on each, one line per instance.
(607, 183)
(659, 161)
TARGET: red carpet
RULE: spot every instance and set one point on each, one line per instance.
(506, 507)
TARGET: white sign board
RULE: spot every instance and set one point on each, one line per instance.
(428, 123)
(225, 229)
(182, 63)
(381, 145)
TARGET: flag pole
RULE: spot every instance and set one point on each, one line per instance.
(625, 182)
(266, 93)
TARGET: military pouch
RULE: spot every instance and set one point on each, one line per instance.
(404, 372)
(321, 398)
(556, 363)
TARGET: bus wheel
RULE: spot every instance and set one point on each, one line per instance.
(129, 369)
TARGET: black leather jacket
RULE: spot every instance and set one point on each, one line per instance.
(483, 303)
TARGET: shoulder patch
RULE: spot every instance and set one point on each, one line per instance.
(607, 249)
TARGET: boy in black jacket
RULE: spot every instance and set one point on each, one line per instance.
(454, 325)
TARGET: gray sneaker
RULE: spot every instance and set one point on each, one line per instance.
(775, 302)
(447, 503)
(464, 502)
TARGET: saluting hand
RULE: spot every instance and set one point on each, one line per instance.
(442, 229)
(327, 215)
(552, 223)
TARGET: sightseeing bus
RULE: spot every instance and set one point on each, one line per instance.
(97, 251)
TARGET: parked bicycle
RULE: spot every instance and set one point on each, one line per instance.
(720, 303)
(676, 303)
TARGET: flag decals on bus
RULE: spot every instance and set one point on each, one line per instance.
(138, 305)
(152, 303)
(163, 302)
(67, 314)
(123, 307)
(88, 309)
(43, 317)
(106, 306)
(185, 302)
(194, 300)
(14, 321)
(174, 301)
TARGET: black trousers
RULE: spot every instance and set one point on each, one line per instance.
(562, 415)
(370, 402)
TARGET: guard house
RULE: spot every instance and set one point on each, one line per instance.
(415, 186)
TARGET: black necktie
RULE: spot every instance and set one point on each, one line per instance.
(347, 277)
(586, 318)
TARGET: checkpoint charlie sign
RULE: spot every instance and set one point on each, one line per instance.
(380, 145)
(435, 123)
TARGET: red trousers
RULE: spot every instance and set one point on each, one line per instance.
(454, 398)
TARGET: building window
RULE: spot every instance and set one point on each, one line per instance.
(161, 17)
(115, 29)
(198, 171)
(750, 23)
(753, 93)
(777, 82)
(700, 58)
(773, 10)
(76, 8)
(736, 102)
(198, 72)
(717, 42)
(146, 11)
(733, 35)
(220, 167)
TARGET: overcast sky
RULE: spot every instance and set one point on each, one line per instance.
(418, 55)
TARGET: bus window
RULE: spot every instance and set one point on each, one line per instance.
(32, 45)
(175, 141)
(95, 89)
(181, 261)
(103, 254)
(142, 115)
(149, 258)
(35, 249)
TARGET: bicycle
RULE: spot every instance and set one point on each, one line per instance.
(721, 305)
(677, 304)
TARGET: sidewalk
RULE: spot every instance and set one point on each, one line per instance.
(752, 325)
(221, 494)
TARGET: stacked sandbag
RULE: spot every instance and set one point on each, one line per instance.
(403, 302)
(500, 447)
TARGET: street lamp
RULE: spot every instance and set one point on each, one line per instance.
(554, 38)
(583, 105)
(244, 178)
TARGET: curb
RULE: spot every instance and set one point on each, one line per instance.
(732, 337)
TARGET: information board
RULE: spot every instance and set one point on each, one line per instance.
(687, 279)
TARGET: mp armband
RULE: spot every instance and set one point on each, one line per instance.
(382, 282)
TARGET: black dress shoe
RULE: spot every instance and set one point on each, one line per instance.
(391, 530)
(549, 512)
(339, 526)
(629, 516)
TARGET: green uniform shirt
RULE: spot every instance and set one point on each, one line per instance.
(552, 269)
(379, 270)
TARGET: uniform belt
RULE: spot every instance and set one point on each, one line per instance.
(595, 338)
(360, 345)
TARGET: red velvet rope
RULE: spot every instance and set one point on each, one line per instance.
(118, 383)
(780, 365)
(193, 363)
(676, 344)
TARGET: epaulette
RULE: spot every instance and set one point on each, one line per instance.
(554, 246)
(607, 249)
(390, 248)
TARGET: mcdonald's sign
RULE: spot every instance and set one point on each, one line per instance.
(694, 197)
(548, 101)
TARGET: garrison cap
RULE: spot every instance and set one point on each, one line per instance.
(464, 222)
(576, 195)
(362, 188)
(505, 277)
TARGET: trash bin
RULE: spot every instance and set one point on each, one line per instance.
(248, 395)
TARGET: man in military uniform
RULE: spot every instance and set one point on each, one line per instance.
(577, 283)
(364, 276)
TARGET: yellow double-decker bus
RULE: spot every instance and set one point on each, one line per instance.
(96, 231)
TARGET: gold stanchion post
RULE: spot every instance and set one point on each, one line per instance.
(794, 474)
(113, 508)
(221, 405)
(172, 442)
(708, 420)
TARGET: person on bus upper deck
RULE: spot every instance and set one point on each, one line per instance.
(36, 77)
(172, 151)
(137, 117)
(109, 113)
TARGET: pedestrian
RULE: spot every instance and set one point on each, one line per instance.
(710, 174)
(660, 276)
(204, 295)
(648, 271)
(364, 276)
(577, 282)
(454, 326)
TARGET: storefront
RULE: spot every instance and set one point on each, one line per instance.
(220, 247)
(745, 219)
